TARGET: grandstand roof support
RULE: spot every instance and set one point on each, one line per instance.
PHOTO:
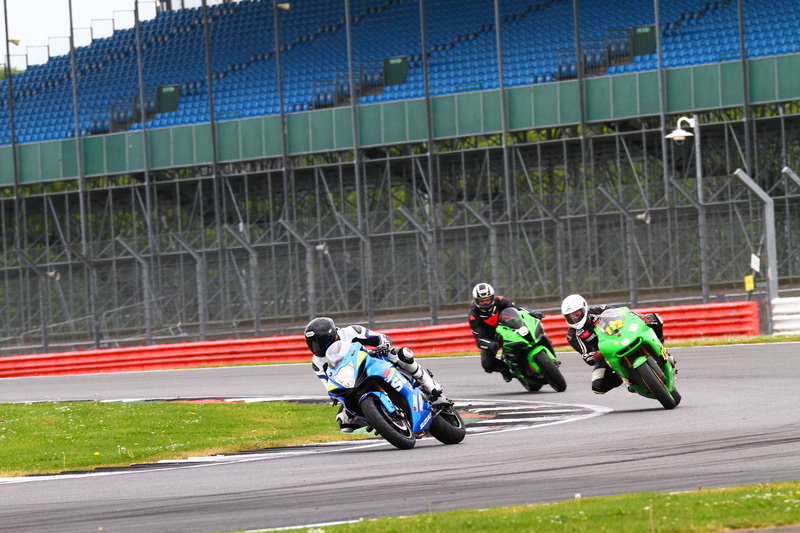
(281, 110)
(745, 88)
(12, 127)
(431, 156)
(149, 201)
(360, 228)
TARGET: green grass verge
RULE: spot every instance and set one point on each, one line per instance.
(56, 437)
(700, 511)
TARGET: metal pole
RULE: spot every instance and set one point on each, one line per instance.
(433, 284)
(82, 184)
(14, 156)
(662, 95)
(215, 178)
(745, 88)
(772, 248)
(211, 113)
(702, 227)
(503, 109)
(366, 271)
(150, 215)
(281, 112)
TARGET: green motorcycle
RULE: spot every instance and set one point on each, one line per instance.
(632, 350)
(532, 363)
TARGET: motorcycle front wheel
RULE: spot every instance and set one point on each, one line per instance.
(551, 371)
(447, 427)
(650, 379)
(530, 386)
(391, 426)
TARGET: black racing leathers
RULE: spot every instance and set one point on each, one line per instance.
(483, 325)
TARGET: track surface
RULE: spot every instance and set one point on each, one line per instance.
(739, 423)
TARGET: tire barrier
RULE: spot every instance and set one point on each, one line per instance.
(786, 316)
(734, 319)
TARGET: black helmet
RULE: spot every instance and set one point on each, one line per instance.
(483, 295)
(320, 334)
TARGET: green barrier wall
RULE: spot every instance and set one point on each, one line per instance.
(688, 89)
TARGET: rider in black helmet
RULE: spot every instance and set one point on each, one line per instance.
(322, 332)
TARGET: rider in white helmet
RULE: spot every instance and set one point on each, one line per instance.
(581, 336)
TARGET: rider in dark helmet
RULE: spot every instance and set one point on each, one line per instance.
(581, 336)
(322, 332)
(483, 317)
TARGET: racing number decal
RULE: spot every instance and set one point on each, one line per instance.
(613, 327)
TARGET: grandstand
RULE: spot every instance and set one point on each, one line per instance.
(387, 197)
(538, 47)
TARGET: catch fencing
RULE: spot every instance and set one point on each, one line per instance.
(734, 319)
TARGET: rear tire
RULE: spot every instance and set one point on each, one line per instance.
(650, 379)
(391, 426)
(447, 427)
(549, 368)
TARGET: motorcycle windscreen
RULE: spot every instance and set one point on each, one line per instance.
(336, 352)
(511, 318)
(611, 321)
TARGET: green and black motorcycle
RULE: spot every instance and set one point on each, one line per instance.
(531, 362)
(632, 350)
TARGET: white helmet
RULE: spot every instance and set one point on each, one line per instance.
(575, 309)
(483, 295)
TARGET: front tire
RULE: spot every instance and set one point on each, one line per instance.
(391, 426)
(650, 379)
(530, 386)
(447, 427)
(549, 368)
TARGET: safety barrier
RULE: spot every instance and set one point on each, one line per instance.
(735, 319)
(786, 316)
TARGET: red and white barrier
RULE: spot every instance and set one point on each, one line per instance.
(786, 316)
(735, 319)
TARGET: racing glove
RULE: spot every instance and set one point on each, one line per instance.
(381, 350)
(592, 357)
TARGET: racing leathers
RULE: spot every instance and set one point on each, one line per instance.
(484, 325)
(585, 342)
(403, 358)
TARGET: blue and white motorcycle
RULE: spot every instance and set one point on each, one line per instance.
(379, 395)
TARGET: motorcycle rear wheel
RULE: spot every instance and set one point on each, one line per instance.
(650, 378)
(447, 427)
(391, 426)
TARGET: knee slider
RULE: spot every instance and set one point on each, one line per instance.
(404, 354)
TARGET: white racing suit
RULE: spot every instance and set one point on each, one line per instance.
(403, 358)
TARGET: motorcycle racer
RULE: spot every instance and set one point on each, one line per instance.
(483, 316)
(581, 336)
(322, 332)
